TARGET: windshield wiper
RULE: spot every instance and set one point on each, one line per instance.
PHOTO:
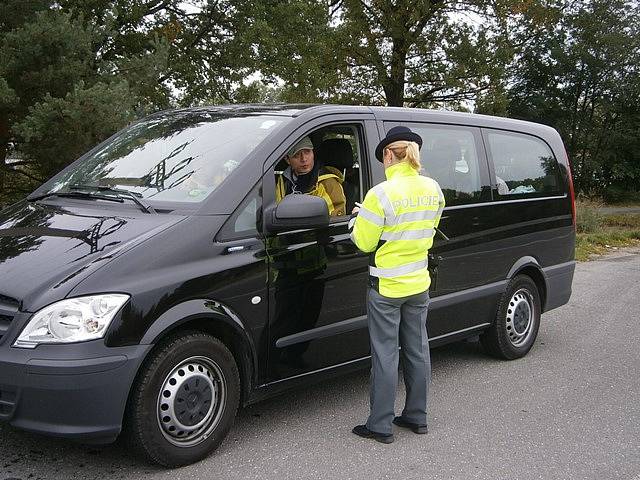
(75, 195)
(118, 193)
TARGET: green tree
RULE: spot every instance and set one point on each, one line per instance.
(171, 51)
(414, 52)
(72, 72)
(401, 52)
(294, 47)
(82, 118)
(45, 55)
(581, 76)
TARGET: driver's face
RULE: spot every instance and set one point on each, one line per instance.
(302, 161)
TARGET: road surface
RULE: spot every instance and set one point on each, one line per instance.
(568, 410)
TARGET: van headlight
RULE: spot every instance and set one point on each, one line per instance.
(72, 320)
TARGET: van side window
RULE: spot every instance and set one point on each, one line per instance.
(450, 157)
(337, 150)
(247, 216)
(246, 221)
(524, 165)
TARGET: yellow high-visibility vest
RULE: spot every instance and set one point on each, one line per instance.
(397, 223)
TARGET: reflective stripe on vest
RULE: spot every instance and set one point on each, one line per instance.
(372, 217)
(413, 217)
(408, 234)
(379, 192)
(397, 271)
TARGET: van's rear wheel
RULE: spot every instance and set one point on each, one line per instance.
(184, 401)
(517, 321)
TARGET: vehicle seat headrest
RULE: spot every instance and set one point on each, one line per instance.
(335, 152)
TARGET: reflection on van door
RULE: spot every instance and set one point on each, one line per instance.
(318, 278)
(317, 301)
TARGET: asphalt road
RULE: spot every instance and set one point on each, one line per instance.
(569, 410)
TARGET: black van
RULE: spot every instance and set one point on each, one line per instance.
(153, 286)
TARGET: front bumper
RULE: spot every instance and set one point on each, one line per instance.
(76, 391)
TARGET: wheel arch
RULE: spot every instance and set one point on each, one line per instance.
(530, 267)
(218, 320)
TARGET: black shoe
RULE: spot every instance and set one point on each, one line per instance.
(415, 428)
(363, 431)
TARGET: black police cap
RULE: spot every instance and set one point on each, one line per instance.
(395, 134)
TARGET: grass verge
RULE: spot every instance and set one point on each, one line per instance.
(598, 233)
(588, 244)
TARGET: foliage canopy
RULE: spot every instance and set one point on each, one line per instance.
(72, 72)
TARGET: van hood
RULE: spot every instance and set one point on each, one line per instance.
(46, 249)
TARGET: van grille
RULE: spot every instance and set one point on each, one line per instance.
(8, 309)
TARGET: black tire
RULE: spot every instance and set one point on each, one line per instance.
(170, 396)
(517, 321)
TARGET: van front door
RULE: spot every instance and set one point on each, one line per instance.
(317, 277)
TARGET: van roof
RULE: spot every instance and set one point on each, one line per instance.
(390, 114)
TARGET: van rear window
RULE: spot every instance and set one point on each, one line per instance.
(524, 165)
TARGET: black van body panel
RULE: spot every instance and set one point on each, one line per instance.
(58, 243)
(559, 278)
(181, 271)
(160, 277)
(212, 316)
(315, 313)
(190, 310)
(521, 264)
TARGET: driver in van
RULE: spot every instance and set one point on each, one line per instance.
(305, 175)
(297, 275)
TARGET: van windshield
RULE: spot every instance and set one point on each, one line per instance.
(177, 157)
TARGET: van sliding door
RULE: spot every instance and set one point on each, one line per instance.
(454, 156)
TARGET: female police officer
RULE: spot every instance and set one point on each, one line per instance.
(396, 223)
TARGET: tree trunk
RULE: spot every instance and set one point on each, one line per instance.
(394, 89)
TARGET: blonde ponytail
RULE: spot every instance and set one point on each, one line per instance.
(408, 152)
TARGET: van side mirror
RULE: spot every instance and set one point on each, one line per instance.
(297, 211)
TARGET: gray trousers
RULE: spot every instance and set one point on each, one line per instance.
(395, 322)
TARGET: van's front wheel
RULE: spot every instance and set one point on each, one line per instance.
(184, 401)
(517, 321)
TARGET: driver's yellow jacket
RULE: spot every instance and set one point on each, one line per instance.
(328, 187)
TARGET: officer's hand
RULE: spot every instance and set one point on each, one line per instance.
(355, 210)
